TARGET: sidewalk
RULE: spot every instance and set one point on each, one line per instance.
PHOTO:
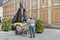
(48, 34)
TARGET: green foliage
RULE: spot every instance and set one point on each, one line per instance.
(6, 24)
(39, 26)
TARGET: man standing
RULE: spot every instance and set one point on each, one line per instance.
(32, 27)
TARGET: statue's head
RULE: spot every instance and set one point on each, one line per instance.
(20, 3)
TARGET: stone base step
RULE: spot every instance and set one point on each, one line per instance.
(52, 26)
(7, 33)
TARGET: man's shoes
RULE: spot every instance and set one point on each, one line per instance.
(33, 37)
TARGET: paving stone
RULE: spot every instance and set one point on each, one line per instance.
(48, 34)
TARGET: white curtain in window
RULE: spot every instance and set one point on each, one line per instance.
(34, 2)
(27, 3)
(56, 1)
(43, 2)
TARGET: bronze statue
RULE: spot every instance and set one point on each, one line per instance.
(20, 15)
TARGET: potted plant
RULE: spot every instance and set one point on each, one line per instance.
(39, 26)
(6, 24)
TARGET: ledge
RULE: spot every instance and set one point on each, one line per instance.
(7, 33)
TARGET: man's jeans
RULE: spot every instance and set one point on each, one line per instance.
(32, 32)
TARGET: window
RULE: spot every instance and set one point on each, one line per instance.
(43, 2)
(9, 9)
(4, 10)
(16, 7)
(27, 3)
(56, 1)
(34, 2)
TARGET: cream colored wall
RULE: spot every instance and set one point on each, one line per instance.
(10, 10)
(44, 12)
(47, 13)
(44, 15)
(55, 13)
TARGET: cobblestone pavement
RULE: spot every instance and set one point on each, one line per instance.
(48, 34)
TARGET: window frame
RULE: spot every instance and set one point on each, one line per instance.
(56, 1)
(26, 2)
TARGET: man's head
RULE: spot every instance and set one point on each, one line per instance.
(31, 17)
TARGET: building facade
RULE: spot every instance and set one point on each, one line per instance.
(46, 10)
(10, 8)
(1, 16)
(1, 12)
